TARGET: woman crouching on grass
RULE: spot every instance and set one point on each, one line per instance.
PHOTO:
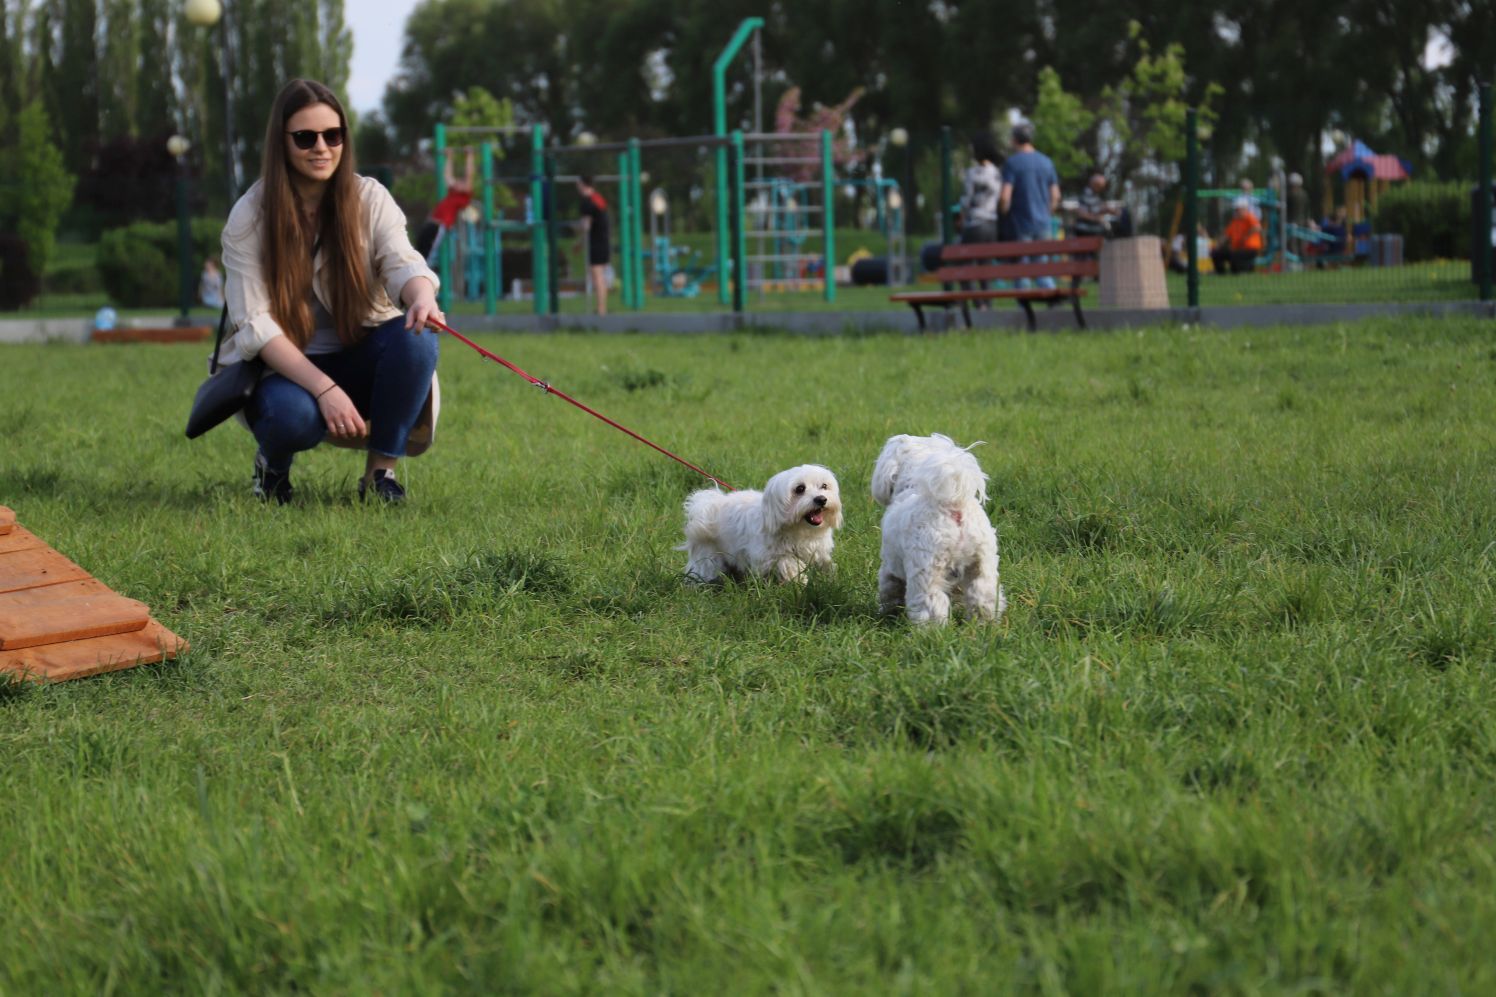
(316, 257)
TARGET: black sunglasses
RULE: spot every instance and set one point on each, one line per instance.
(306, 138)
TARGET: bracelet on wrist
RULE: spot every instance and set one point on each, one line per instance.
(318, 395)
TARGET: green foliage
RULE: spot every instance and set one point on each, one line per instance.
(1145, 113)
(373, 141)
(1235, 735)
(477, 108)
(1061, 123)
(138, 263)
(38, 189)
(1432, 218)
(19, 283)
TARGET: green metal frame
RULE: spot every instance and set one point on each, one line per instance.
(1483, 222)
(490, 237)
(444, 252)
(828, 219)
(539, 256)
(719, 127)
(1191, 201)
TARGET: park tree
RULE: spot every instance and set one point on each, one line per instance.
(450, 46)
(1062, 124)
(71, 84)
(155, 98)
(120, 68)
(40, 187)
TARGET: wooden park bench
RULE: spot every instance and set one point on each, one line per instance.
(990, 261)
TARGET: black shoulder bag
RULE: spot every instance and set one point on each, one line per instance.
(226, 391)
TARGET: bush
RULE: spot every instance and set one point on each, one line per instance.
(138, 263)
(18, 281)
(1432, 218)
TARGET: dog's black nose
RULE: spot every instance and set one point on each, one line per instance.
(820, 500)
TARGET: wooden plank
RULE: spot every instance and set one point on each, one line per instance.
(20, 538)
(80, 658)
(1016, 271)
(956, 297)
(957, 252)
(29, 569)
(53, 614)
(7, 520)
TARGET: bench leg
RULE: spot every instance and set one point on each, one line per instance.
(919, 316)
(966, 312)
(1028, 310)
(1080, 319)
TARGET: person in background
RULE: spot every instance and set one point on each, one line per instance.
(1248, 196)
(1241, 242)
(595, 239)
(1030, 192)
(316, 258)
(1095, 215)
(444, 216)
(210, 284)
(981, 187)
(1179, 259)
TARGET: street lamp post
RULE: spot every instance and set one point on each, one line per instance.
(899, 139)
(178, 147)
(205, 14)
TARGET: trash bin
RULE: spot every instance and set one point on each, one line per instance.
(929, 256)
(1387, 250)
(1132, 273)
(870, 270)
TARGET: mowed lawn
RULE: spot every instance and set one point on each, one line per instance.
(1235, 734)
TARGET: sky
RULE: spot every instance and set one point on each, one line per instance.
(378, 28)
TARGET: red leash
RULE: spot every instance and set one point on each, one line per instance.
(550, 390)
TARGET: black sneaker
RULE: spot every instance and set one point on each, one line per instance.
(270, 484)
(384, 486)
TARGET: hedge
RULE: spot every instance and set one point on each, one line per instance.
(138, 263)
(18, 281)
(1432, 218)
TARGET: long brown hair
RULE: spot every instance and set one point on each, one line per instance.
(286, 249)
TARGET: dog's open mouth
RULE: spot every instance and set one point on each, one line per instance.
(815, 517)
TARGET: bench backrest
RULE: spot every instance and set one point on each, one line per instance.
(1005, 260)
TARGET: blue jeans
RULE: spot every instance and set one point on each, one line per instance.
(387, 377)
(1047, 282)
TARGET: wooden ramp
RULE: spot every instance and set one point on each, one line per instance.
(57, 622)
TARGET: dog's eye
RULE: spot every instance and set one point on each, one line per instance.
(799, 489)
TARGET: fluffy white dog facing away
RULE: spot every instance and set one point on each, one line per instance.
(938, 543)
(896, 453)
(776, 533)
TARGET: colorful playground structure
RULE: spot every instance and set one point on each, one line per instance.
(775, 211)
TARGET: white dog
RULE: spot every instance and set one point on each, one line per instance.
(777, 532)
(937, 539)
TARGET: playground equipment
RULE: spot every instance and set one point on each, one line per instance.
(493, 225)
(783, 223)
(785, 213)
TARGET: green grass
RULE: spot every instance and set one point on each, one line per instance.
(1235, 734)
(1438, 280)
(1443, 280)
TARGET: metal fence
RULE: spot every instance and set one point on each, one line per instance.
(1374, 234)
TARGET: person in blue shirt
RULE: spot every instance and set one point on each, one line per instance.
(1031, 191)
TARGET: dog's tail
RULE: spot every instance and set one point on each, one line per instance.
(703, 511)
(886, 470)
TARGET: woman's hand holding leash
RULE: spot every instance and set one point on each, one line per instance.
(420, 300)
